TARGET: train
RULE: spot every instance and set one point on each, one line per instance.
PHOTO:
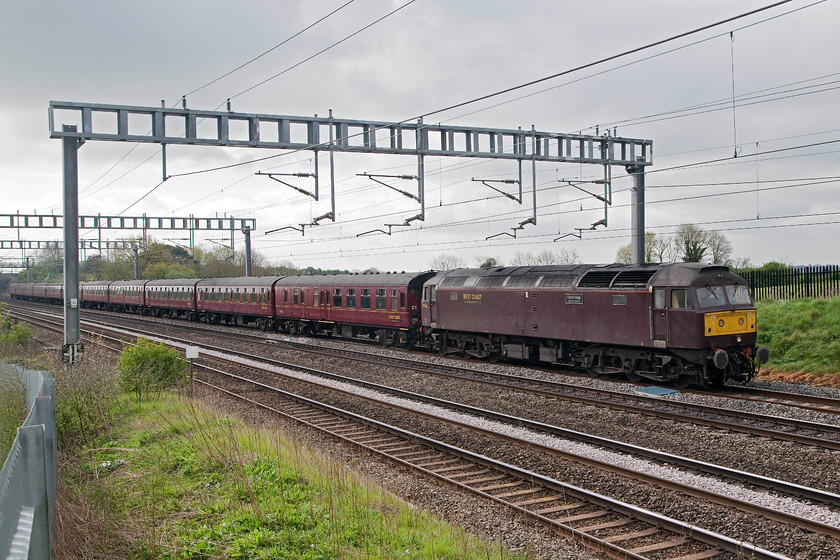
(678, 323)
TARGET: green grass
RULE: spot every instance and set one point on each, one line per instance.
(12, 411)
(180, 481)
(802, 334)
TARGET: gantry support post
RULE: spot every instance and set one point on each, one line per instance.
(247, 231)
(637, 213)
(71, 245)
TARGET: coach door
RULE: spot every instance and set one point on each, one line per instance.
(659, 318)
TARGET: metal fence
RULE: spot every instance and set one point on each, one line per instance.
(795, 282)
(28, 478)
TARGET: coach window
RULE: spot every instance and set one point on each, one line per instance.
(296, 295)
(381, 298)
(365, 303)
(395, 302)
(316, 297)
(336, 297)
(659, 298)
(351, 298)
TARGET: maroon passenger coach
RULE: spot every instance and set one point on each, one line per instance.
(381, 306)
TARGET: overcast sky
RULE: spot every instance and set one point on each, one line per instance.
(781, 204)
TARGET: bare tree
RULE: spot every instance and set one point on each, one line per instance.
(720, 248)
(523, 259)
(657, 249)
(692, 242)
(447, 262)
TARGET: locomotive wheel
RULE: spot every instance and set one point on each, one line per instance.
(632, 376)
(683, 381)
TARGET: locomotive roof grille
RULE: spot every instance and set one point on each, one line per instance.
(453, 281)
(524, 281)
(597, 279)
(558, 280)
(634, 278)
(491, 281)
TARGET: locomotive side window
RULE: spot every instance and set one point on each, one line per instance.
(351, 298)
(659, 298)
(710, 296)
(680, 299)
(738, 295)
(365, 303)
(337, 297)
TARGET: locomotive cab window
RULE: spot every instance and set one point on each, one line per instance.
(738, 295)
(659, 298)
(680, 299)
(710, 296)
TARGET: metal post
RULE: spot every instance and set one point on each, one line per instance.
(421, 171)
(136, 262)
(247, 231)
(637, 213)
(32, 460)
(71, 244)
(332, 167)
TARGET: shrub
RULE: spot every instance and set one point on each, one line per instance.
(17, 334)
(147, 366)
(86, 395)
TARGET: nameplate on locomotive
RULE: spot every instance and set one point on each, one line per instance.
(574, 299)
(472, 298)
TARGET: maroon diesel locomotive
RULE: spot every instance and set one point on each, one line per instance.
(684, 323)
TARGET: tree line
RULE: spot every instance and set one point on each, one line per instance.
(160, 261)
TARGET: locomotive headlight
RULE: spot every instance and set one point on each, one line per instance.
(741, 321)
(739, 340)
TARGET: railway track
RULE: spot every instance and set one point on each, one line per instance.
(777, 427)
(612, 527)
(584, 512)
(743, 393)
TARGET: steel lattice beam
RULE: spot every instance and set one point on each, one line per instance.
(160, 125)
(51, 221)
(83, 244)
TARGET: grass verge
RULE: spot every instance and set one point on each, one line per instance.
(803, 336)
(179, 480)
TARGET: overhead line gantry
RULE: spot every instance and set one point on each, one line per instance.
(182, 126)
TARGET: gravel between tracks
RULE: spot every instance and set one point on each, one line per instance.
(776, 536)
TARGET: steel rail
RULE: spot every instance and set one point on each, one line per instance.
(708, 537)
(709, 468)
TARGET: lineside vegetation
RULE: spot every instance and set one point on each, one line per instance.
(802, 336)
